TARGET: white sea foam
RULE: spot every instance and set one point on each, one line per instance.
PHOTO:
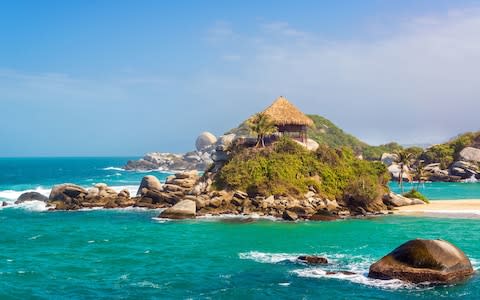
(358, 265)
(269, 258)
(13, 195)
(113, 168)
(35, 205)
(355, 278)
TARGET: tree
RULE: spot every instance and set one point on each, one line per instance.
(404, 159)
(421, 175)
(261, 125)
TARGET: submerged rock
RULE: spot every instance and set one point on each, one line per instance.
(185, 209)
(313, 259)
(31, 196)
(434, 261)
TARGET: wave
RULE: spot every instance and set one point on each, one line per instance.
(34, 206)
(269, 258)
(338, 263)
(113, 168)
(13, 195)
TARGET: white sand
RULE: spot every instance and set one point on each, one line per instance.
(451, 208)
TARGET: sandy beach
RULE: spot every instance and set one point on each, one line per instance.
(469, 208)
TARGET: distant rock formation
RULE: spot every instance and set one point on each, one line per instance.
(209, 150)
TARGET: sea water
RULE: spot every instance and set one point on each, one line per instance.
(130, 254)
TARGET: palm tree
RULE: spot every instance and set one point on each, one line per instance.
(261, 125)
(404, 160)
(421, 174)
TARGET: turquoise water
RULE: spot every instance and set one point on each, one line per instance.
(129, 254)
(443, 190)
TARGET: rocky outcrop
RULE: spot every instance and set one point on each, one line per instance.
(73, 197)
(388, 158)
(433, 261)
(31, 196)
(463, 169)
(470, 154)
(394, 170)
(194, 160)
(205, 142)
(185, 209)
(399, 200)
(313, 259)
(149, 182)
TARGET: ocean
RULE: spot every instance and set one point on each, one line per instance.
(130, 254)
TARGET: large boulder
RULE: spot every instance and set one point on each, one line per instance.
(149, 182)
(434, 261)
(67, 192)
(470, 154)
(31, 196)
(205, 141)
(394, 170)
(185, 209)
(389, 158)
(396, 200)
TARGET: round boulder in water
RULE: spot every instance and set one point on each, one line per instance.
(204, 141)
(433, 261)
(31, 196)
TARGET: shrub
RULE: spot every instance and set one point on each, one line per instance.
(416, 194)
(287, 168)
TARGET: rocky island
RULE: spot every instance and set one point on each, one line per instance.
(277, 171)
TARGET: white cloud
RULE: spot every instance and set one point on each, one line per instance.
(418, 84)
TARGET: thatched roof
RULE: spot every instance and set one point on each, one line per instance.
(282, 112)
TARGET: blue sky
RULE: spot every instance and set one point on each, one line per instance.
(128, 77)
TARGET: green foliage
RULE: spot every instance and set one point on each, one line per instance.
(261, 126)
(375, 152)
(416, 194)
(447, 153)
(327, 133)
(286, 168)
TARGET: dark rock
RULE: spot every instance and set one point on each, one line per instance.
(67, 193)
(348, 273)
(30, 196)
(434, 261)
(323, 215)
(290, 215)
(4, 203)
(313, 260)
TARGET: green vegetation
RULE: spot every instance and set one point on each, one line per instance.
(261, 126)
(416, 194)
(286, 168)
(325, 132)
(447, 153)
(404, 160)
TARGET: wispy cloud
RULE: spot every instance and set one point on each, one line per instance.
(420, 83)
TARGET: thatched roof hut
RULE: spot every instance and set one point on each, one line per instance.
(284, 113)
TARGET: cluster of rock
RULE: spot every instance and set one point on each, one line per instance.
(208, 150)
(465, 168)
(395, 200)
(72, 197)
(187, 195)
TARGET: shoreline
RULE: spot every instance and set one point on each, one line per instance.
(465, 208)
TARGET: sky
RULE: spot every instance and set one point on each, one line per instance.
(121, 78)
